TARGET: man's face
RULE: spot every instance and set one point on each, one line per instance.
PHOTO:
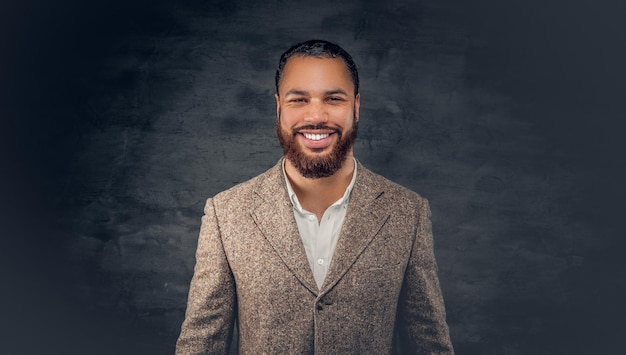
(317, 114)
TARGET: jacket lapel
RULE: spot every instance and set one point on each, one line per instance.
(364, 219)
(274, 217)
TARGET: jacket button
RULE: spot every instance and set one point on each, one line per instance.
(319, 307)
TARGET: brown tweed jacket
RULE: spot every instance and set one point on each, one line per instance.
(251, 266)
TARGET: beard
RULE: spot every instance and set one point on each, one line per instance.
(316, 166)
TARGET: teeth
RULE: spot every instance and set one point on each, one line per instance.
(316, 137)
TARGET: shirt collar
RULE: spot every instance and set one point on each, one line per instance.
(343, 200)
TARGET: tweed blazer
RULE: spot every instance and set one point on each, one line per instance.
(381, 293)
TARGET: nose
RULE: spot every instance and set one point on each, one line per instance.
(317, 112)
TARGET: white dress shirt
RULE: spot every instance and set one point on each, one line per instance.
(320, 237)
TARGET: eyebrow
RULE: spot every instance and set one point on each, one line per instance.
(337, 91)
(296, 92)
(305, 93)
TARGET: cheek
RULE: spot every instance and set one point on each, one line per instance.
(347, 119)
(287, 119)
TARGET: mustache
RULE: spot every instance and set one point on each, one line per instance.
(317, 126)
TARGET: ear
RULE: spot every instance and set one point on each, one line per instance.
(357, 106)
(277, 104)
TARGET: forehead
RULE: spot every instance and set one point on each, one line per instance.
(313, 72)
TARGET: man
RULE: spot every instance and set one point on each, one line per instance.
(318, 254)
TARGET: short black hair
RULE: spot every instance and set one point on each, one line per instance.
(319, 49)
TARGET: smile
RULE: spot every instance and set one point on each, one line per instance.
(315, 137)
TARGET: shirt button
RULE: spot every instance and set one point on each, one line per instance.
(320, 261)
(311, 218)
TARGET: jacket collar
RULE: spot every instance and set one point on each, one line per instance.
(274, 217)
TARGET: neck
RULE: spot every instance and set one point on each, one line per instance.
(316, 195)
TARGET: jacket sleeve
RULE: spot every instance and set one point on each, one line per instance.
(422, 327)
(210, 315)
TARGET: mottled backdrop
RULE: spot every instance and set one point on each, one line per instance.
(119, 118)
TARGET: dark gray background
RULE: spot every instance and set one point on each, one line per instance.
(119, 118)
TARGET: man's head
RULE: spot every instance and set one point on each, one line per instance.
(317, 104)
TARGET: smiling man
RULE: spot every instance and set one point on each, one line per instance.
(318, 255)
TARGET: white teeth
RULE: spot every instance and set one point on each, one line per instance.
(316, 137)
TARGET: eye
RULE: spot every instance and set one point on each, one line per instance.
(334, 99)
(297, 100)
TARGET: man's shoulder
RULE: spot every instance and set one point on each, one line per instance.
(388, 187)
(246, 189)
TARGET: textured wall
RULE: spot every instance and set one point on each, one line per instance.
(121, 119)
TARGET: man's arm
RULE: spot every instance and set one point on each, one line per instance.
(422, 324)
(208, 325)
